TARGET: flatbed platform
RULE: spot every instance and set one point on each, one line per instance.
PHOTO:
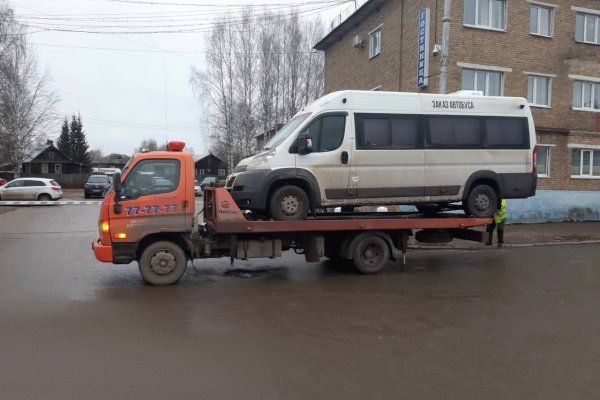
(223, 216)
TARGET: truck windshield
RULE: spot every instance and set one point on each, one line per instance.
(285, 131)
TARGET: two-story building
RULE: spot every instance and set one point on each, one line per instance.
(546, 51)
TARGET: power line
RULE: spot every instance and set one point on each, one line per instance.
(252, 4)
(138, 125)
(161, 51)
(201, 27)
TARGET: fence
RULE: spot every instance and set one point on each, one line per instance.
(75, 181)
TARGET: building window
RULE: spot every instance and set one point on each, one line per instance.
(585, 163)
(374, 42)
(489, 14)
(200, 172)
(541, 20)
(587, 28)
(221, 172)
(539, 90)
(488, 82)
(50, 154)
(543, 161)
(586, 95)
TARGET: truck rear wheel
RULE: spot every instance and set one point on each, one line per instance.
(162, 263)
(371, 255)
(289, 203)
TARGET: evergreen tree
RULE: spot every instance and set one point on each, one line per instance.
(64, 143)
(80, 145)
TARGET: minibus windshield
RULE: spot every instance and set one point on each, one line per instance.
(285, 131)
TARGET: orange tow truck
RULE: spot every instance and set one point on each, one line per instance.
(150, 217)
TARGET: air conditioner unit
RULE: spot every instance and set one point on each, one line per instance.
(358, 41)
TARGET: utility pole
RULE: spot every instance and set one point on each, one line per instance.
(445, 47)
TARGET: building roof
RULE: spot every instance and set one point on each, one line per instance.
(353, 20)
(203, 156)
(115, 158)
(49, 144)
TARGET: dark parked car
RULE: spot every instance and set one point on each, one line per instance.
(96, 185)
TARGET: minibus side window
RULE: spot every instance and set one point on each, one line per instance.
(376, 133)
(327, 132)
(405, 133)
(455, 132)
(332, 132)
(507, 133)
(388, 132)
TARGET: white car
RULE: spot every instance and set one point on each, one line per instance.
(31, 189)
(197, 189)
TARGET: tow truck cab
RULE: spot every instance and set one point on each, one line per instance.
(153, 200)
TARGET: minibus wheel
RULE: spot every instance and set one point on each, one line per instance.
(289, 203)
(482, 201)
(162, 263)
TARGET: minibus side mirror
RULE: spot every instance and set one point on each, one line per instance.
(117, 190)
(304, 144)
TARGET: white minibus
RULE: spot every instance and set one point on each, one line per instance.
(357, 148)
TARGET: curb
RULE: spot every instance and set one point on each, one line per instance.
(518, 245)
(48, 203)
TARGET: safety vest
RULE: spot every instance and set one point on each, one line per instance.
(500, 214)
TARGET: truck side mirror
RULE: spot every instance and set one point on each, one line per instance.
(117, 183)
(117, 189)
(304, 144)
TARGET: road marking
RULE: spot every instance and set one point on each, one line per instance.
(48, 203)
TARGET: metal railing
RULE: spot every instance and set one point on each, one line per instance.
(345, 14)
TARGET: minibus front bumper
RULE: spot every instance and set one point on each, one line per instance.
(249, 189)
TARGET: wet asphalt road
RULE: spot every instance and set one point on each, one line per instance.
(496, 324)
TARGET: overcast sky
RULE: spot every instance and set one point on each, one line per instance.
(126, 96)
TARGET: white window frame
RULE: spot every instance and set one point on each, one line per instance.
(486, 69)
(221, 172)
(374, 52)
(587, 13)
(582, 149)
(583, 80)
(200, 172)
(548, 149)
(550, 8)
(490, 16)
(550, 80)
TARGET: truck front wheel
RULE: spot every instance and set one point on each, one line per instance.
(162, 263)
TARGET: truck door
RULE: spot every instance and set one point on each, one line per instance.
(331, 157)
(152, 199)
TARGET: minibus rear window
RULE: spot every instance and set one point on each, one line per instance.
(507, 133)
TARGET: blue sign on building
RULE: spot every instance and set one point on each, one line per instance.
(423, 55)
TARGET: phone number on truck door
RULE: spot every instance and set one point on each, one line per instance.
(151, 210)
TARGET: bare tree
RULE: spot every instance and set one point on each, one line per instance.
(261, 70)
(150, 144)
(96, 154)
(26, 100)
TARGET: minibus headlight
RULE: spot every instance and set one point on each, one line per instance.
(261, 162)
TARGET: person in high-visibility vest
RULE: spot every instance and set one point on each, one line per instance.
(499, 219)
